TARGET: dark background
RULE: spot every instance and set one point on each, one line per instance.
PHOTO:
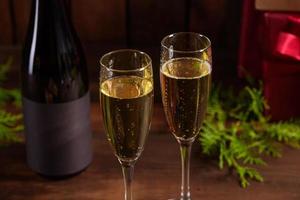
(105, 25)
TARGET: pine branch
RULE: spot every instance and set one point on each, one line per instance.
(10, 95)
(10, 123)
(238, 133)
(4, 68)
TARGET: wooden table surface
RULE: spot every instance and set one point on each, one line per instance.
(157, 174)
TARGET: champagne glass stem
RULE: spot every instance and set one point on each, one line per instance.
(128, 170)
(185, 152)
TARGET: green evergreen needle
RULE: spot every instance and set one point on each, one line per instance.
(10, 123)
(237, 132)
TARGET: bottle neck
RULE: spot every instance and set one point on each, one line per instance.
(51, 11)
(51, 22)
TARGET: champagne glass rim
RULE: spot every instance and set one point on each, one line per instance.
(187, 51)
(148, 58)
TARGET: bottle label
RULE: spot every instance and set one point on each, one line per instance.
(58, 136)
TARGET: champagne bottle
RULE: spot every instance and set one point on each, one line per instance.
(55, 93)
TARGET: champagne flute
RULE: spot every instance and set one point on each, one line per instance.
(185, 73)
(126, 95)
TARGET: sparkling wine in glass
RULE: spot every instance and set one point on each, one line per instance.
(185, 74)
(126, 95)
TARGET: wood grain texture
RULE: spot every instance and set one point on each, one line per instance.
(22, 13)
(218, 19)
(5, 23)
(100, 22)
(207, 18)
(151, 20)
(157, 174)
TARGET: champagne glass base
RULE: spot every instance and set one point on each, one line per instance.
(182, 197)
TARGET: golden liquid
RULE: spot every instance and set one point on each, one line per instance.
(185, 84)
(127, 103)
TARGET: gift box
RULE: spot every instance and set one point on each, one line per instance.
(270, 50)
(254, 31)
(281, 85)
(277, 5)
(281, 36)
(281, 64)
